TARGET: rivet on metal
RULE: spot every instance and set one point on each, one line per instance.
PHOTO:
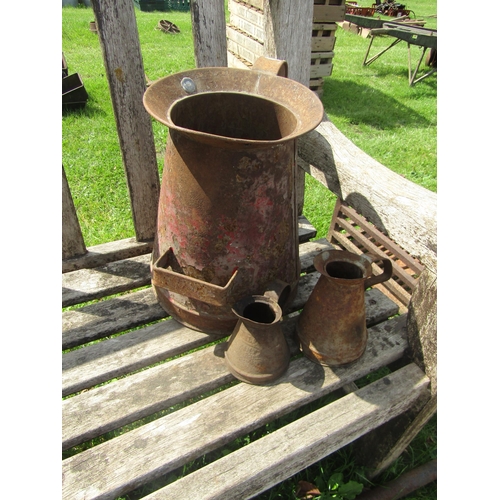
(188, 85)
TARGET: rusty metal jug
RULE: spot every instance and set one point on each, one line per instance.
(257, 351)
(227, 216)
(332, 326)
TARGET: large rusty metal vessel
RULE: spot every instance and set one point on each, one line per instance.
(227, 216)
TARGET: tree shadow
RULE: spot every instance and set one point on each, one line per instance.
(364, 104)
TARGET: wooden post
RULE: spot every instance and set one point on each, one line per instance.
(209, 33)
(117, 28)
(288, 28)
(72, 239)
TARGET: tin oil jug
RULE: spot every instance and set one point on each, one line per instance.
(257, 351)
(332, 326)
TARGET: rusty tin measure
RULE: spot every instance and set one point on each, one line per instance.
(332, 325)
(227, 218)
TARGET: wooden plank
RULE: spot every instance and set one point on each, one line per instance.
(100, 255)
(72, 239)
(105, 318)
(321, 64)
(208, 25)
(287, 25)
(89, 284)
(254, 16)
(244, 41)
(381, 237)
(143, 454)
(242, 51)
(235, 61)
(114, 405)
(281, 454)
(246, 26)
(100, 320)
(328, 13)
(123, 275)
(97, 363)
(111, 358)
(117, 28)
(323, 37)
(306, 229)
(372, 248)
(258, 4)
(406, 212)
(391, 285)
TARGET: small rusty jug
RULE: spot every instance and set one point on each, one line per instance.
(257, 351)
(332, 326)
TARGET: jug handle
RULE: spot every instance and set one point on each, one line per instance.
(279, 291)
(188, 286)
(380, 278)
(275, 67)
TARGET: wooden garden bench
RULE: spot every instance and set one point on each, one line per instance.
(154, 396)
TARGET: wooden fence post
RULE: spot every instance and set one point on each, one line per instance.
(72, 239)
(117, 28)
(288, 28)
(209, 33)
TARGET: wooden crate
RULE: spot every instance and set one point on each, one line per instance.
(328, 11)
(321, 64)
(242, 45)
(235, 61)
(256, 31)
(323, 37)
(258, 4)
(250, 14)
(316, 85)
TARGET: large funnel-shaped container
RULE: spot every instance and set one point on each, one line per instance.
(227, 219)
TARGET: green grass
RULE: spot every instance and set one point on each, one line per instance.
(373, 106)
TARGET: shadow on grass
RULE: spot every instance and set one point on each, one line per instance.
(364, 104)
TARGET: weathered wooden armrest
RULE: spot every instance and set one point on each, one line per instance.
(398, 207)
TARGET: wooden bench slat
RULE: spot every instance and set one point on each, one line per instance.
(127, 273)
(397, 270)
(97, 363)
(89, 284)
(141, 455)
(99, 255)
(111, 358)
(281, 454)
(395, 288)
(133, 395)
(381, 237)
(115, 315)
(114, 405)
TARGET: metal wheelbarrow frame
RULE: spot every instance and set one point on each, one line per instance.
(424, 38)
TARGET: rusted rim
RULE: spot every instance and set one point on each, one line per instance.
(304, 104)
(326, 257)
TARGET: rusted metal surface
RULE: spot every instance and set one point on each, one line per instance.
(332, 325)
(229, 171)
(257, 351)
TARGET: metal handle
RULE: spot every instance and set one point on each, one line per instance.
(380, 278)
(275, 67)
(188, 286)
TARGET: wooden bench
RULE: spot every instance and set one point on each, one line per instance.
(145, 396)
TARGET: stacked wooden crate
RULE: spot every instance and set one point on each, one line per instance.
(245, 36)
